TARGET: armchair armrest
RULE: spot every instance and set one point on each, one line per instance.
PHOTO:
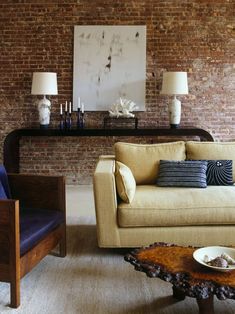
(37, 191)
(106, 201)
(9, 240)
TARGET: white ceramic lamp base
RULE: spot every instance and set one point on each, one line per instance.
(44, 110)
(174, 113)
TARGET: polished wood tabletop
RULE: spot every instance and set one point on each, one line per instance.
(175, 264)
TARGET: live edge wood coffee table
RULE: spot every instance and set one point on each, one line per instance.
(176, 265)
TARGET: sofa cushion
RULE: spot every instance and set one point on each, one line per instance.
(161, 206)
(211, 151)
(125, 182)
(219, 172)
(182, 173)
(35, 224)
(143, 159)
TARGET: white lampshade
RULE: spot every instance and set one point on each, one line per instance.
(44, 83)
(174, 83)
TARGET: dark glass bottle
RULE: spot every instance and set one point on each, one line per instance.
(65, 119)
(61, 121)
(79, 115)
(82, 120)
(69, 121)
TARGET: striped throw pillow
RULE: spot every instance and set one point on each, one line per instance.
(182, 173)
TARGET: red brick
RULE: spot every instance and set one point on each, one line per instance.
(193, 36)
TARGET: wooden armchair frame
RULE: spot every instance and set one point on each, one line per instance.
(34, 192)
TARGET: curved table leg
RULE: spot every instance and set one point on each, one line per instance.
(178, 294)
(206, 306)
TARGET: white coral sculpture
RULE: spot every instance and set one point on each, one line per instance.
(123, 108)
(114, 111)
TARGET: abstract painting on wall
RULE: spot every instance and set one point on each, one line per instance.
(109, 63)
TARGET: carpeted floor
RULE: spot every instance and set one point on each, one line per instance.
(92, 280)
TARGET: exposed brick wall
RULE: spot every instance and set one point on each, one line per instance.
(196, 36)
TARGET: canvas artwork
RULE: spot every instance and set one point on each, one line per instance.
(109, 63)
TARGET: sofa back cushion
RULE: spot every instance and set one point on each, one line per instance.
(211, 151)
(144, 159)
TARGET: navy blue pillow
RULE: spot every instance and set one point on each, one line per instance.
(184, 173)
(219, 172)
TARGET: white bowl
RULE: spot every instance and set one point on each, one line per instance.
(213, 252)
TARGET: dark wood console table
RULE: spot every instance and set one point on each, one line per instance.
(12, 147)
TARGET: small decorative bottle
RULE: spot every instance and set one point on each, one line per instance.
(82, 117)
(61, 117)
(79, 118)
(69, 120)
(65, 115)
(82, 122)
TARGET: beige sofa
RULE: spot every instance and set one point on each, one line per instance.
(186, 216)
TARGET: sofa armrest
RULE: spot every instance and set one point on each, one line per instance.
(9, 240)
(37, 191)
(106, 201)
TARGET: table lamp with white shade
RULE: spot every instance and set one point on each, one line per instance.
(44, 83)
(174, 83)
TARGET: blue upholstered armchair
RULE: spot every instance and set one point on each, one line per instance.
(32, 223)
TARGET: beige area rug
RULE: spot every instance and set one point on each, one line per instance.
(92, 280)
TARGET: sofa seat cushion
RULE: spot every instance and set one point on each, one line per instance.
(35, 225)
(178, 206)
